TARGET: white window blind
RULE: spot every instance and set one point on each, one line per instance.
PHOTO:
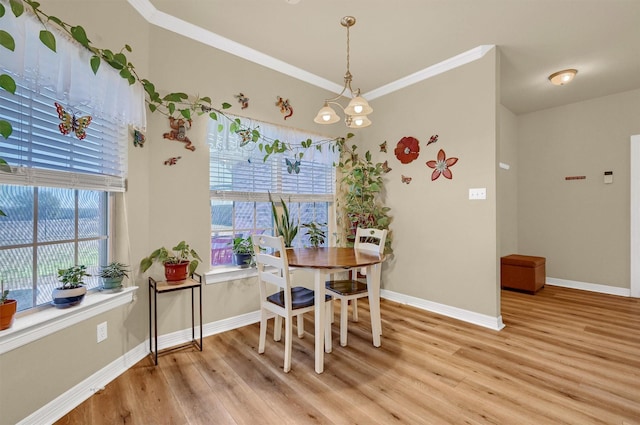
(42, 156)
(239, 173)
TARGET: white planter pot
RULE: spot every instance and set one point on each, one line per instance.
(63, 298)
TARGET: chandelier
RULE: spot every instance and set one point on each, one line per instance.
(355, 114)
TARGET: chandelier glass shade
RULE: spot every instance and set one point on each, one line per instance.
(356, 111)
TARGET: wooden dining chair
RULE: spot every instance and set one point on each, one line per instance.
(288, 301)
(349, 290)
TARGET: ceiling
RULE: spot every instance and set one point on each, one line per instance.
(391, 40)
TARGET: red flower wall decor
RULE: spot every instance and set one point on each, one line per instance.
(407, 149)
(441, 166)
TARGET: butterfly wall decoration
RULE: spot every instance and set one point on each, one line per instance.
(383, 146)
(385, 167)
(293, 166)
(138, 139)
(69, 122)
(406, 179)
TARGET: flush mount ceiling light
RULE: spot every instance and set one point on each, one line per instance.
(563, 77)
(355, 114)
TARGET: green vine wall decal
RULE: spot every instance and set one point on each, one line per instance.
(172, 104)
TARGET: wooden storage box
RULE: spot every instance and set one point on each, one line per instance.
(522, 272)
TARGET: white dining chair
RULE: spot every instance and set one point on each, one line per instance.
(288, 301)
(349, 290)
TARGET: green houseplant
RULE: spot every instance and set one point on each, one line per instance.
(242, 251)
(113, 274)
(8, 308)
(73, 288)
(316, 233)
(361, 185)
(284, 224)
(179, 263)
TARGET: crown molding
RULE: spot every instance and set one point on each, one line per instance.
(439, 68)
(161, 19)
(194, 32)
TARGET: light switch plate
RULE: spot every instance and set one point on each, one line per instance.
(478, 193)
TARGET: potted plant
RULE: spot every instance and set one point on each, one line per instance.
(284, 224)
(113, 274)
(242, 251)
(72, 291)
(316, 233)
(179, 263)
(7, 308)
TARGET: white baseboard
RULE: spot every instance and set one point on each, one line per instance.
(208, 329)
(483, 320)
(593, 287)
(69, 400)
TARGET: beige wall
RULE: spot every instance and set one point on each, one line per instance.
(444, 244)
(580, 226)
(507, 182)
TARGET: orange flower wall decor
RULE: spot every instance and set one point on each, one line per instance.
(441, 166)
(407, 149)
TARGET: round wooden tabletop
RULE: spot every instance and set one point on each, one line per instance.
(331, 258)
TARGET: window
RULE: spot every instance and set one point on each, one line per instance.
(57, 198)
(240, 183)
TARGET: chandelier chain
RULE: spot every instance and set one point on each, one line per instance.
(348, 51)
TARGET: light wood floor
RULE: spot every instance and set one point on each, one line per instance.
(565, 357)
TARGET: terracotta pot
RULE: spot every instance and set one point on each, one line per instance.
(176, 272)
(63, 298)
(7, 312)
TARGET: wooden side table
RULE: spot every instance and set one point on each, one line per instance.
(155, 288)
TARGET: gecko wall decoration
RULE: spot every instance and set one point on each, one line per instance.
(285, 107)
(242, 100)
(179, 127)
(173, 160)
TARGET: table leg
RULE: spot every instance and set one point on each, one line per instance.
(373, 287)
(319, 319)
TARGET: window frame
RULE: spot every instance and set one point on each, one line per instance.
(219, 133)
(43, 158)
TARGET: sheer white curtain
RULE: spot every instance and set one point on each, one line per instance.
(68, 73)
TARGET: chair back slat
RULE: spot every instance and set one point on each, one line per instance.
(271, 252)
(370, 240)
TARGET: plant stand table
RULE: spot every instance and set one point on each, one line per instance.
(155, 288)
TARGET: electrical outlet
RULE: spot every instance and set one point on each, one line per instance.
(102, 331)
(478, 193)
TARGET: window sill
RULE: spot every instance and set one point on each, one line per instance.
(32, 326)
(222, 274)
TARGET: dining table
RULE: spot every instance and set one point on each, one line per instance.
(326, 261)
